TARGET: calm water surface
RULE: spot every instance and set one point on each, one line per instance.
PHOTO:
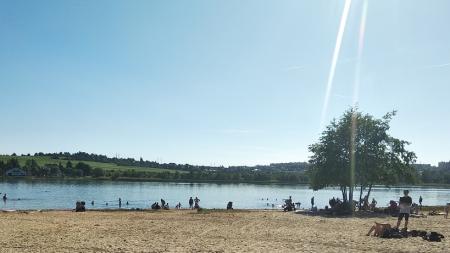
(42, 194)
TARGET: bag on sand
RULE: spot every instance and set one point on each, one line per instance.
(433, 237)
(392, 233)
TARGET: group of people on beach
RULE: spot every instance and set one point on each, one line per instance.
(194, 203)
(164, 205)
(405, 209)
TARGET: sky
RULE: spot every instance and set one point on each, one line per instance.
(218, 82)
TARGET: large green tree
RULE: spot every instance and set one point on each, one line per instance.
(357, 151)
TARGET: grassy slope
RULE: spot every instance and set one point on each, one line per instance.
(42, 160)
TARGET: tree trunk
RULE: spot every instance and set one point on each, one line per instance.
(350, 196)
(360, 196)
(344, 193)
(368, 192)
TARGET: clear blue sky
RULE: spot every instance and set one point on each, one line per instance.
(216, 82)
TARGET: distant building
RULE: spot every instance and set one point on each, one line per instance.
(422, 167)
(444, 165)
(15, 172)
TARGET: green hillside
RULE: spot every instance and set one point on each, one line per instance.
(43, 160)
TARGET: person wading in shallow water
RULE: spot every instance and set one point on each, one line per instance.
(405, 209)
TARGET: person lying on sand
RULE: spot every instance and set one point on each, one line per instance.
(379, 229)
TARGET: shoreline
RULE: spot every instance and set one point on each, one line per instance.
(132, 179)
(298, 211)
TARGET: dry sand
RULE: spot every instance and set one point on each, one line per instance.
(188, 231)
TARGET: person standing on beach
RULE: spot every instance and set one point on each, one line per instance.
(312, 202)
(191, 203)
(405, 209)
(120, 202)
(420, 201)
(447, 208)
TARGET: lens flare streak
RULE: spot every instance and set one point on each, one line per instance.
(334, 60)
(362, 32)
(354, 127)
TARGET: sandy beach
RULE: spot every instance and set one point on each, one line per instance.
(189, 231)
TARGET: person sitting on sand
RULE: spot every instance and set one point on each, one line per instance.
(366, 203)
(80, 206)
(288, 205)
(230, 205)
(405, 209)
(196, 203)
(332, 202)
(379, 229)
(155, 206)
(163, 202)
(415, 208)
(373, 204)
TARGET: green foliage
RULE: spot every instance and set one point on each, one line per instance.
(82, 164)
(98, 172)
(43, 160)
(84, 169)
(357, 150)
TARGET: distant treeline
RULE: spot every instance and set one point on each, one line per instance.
(83, 156)
(434, 175)
(276, 172)
(81, 169)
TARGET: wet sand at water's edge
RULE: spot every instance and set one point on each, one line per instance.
(189, 231)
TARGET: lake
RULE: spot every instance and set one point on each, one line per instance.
(62, 194)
